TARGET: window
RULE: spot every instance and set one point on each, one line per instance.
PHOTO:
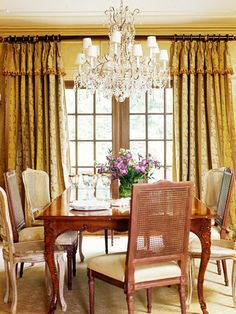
(151, 123)
(143, 124)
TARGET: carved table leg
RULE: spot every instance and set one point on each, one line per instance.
(49, 238)
(202, 228)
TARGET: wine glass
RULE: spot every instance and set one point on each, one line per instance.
(106, 181)
(74, 180)
(89, 181)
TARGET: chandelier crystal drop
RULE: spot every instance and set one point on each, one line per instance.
(123, 71)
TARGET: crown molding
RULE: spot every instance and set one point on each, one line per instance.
(92, 29)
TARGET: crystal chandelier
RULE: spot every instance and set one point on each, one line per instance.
(124, 70)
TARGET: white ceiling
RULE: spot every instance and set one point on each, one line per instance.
(29, 13)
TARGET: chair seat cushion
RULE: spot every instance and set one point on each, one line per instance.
(37, 233)
(67, 238)
(219, 248)
(33, 250)
(31, 234)
(113, 265)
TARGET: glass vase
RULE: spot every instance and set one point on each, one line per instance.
(125, 189)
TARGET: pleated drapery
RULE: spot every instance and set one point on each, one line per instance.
(35, 114)
(204, 130)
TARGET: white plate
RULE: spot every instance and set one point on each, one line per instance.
(89, 205)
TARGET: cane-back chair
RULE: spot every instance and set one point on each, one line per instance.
(157, 246)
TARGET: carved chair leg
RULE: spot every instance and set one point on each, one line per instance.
(130, 302)
(182, 297)
(61, 272)
(7, 292)
(91, 283)
(13, 287)
(224, 266)
(190, 280)
(112, 237)
(149, 300)
(234, 282)
(69, 268)
(106, 240)
(218, 267)
(81, 255)
(21, 269)
(74, 261)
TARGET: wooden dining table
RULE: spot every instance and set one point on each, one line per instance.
(58, 217)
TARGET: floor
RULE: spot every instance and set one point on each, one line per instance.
(32, 298)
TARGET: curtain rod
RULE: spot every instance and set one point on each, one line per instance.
(175, 37)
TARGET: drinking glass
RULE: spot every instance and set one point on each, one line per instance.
(74, 180)
(106, 181)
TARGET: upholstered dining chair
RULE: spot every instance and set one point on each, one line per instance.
(221, 250)
(218, 192)
(157, 245)
(36, 232)
(29, 252)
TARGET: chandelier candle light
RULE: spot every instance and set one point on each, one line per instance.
(124, 70)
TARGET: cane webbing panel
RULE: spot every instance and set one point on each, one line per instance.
(161, 215)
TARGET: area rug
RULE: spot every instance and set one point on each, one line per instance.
(33, 299)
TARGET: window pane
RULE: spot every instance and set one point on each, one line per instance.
(85, 154)
(156, 101)
(158, 174)
(85, 127)
(137, 127)
(103, 104)
(156, 127)
(85, 170)
(102, 151)
(137, 104)
(169, 127)
(138, 147)
(70, 100)
(71, 126)
(103, 128)
(169, 173)
(169, 153)
(72, 154)
(85, 101)
(156, 149)
(169, 100)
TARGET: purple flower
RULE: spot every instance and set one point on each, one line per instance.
(124, 166)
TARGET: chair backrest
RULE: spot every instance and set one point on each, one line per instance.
(15, 203)
(223, 204)
(36, 183)
(159, 224)
(213, 180)
(5, 225)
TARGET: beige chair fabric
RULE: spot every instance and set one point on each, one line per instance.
(113, 265)
(20, 252)
(213, 180)
(36, 183)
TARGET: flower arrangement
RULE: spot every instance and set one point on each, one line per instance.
(128, 170)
